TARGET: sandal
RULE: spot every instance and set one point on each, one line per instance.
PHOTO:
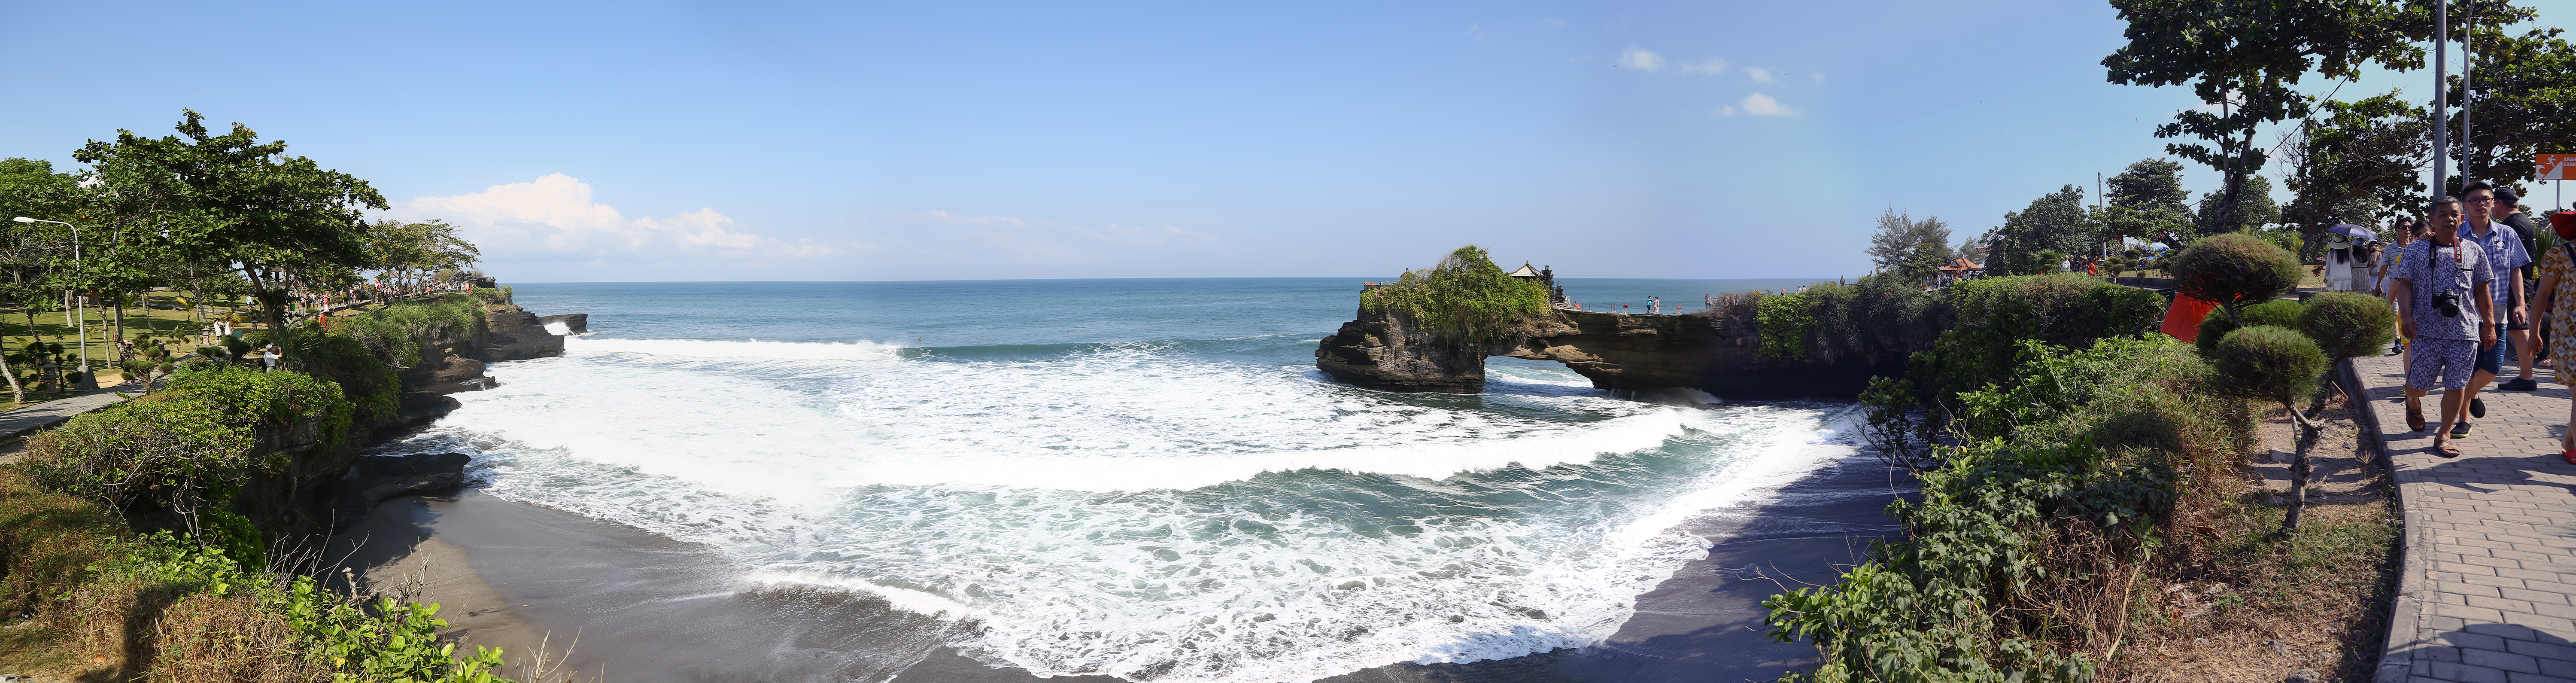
(2415, 417)
(2460, 430)
(2569, 454)
(2445, 450)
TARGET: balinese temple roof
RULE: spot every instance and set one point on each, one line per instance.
(1525, 271)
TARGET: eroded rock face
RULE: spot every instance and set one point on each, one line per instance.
(1377, 352)
(377, 478)
(575, 323)
(1615, 350)
(517, 335)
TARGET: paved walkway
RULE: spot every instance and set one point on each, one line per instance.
(2487, 587)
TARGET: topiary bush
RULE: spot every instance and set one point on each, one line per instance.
(2214, 327)
(2234, 271)
(2348, 324)
(2269, 362)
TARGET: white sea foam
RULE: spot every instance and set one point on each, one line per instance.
(858, 350)
(558, 328)
(1106, 510)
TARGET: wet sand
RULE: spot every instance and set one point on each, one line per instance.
(651, 609)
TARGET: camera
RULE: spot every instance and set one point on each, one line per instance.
(2448, 303)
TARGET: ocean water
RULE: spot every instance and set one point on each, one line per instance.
(1141, 478)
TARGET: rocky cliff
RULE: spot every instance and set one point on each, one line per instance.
(1615, 350)
(320, 487)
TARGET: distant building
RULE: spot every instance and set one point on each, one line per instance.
(1959, 269)
(1525, 271)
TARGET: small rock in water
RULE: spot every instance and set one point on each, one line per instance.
(2303, 676)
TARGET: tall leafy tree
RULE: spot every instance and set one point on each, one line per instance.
(2147, 201)
(2252, 208)
(2356, 161)
(2524, 103)
(1910, 249)
(245, 204)
(2244, 59)
(2056, 223)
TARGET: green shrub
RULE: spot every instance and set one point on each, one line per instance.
(1465, 296)
(394, 333)
(2017, 550)
(2269, 362)
(1786, 321)
(2215, 326)
(1875, 318)
(492, 296)
(2348, 324)
(2234, 270)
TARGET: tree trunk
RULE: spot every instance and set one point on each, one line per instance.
(2300, 468)
(124, 352)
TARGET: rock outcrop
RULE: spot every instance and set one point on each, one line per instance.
(517, 335)
(575, 323)
(1618, 351)
(377, 478)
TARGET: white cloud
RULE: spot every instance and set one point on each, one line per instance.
(1759, 74)
(555, 216)
(1711, 66)
(1817, 76)
(1728, 110)
(1758, 104)
(1639, 58)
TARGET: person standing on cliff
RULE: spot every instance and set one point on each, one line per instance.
(2446, 311)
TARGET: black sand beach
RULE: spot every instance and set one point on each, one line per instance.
(647, 608)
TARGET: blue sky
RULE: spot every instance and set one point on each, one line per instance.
(910, 141)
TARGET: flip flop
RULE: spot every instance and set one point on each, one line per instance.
(2415, 418)
(2460, 430)
(2569, 454)
(2446, 450)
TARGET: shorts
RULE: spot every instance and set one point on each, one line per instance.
(2448, 361)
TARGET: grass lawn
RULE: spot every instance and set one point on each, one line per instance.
(58, 327)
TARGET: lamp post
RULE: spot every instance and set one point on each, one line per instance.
(81, 317)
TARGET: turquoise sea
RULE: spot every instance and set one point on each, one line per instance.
(1145, 479)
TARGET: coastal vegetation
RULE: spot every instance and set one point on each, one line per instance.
(168, 537)
(1465, 296)
(2070, 460)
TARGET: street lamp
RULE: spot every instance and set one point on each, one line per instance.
(81, 317)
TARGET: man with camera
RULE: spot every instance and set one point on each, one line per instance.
(2445, 305)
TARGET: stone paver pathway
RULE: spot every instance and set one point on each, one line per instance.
(2487, 590)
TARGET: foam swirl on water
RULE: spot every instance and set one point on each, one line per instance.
(1140, 510)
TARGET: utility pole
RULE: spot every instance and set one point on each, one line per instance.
(2441, 98)
(2468, 93)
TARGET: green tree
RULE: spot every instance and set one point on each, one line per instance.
(2352, 161)
(2253, 208)
(2147, 201)
(242, 203)
(1908, 249)
(2243, 58)
(2057, 221)
(2525, 102)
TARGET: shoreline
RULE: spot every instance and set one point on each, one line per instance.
(646, 607)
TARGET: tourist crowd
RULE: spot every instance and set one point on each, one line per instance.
(2471, 289)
